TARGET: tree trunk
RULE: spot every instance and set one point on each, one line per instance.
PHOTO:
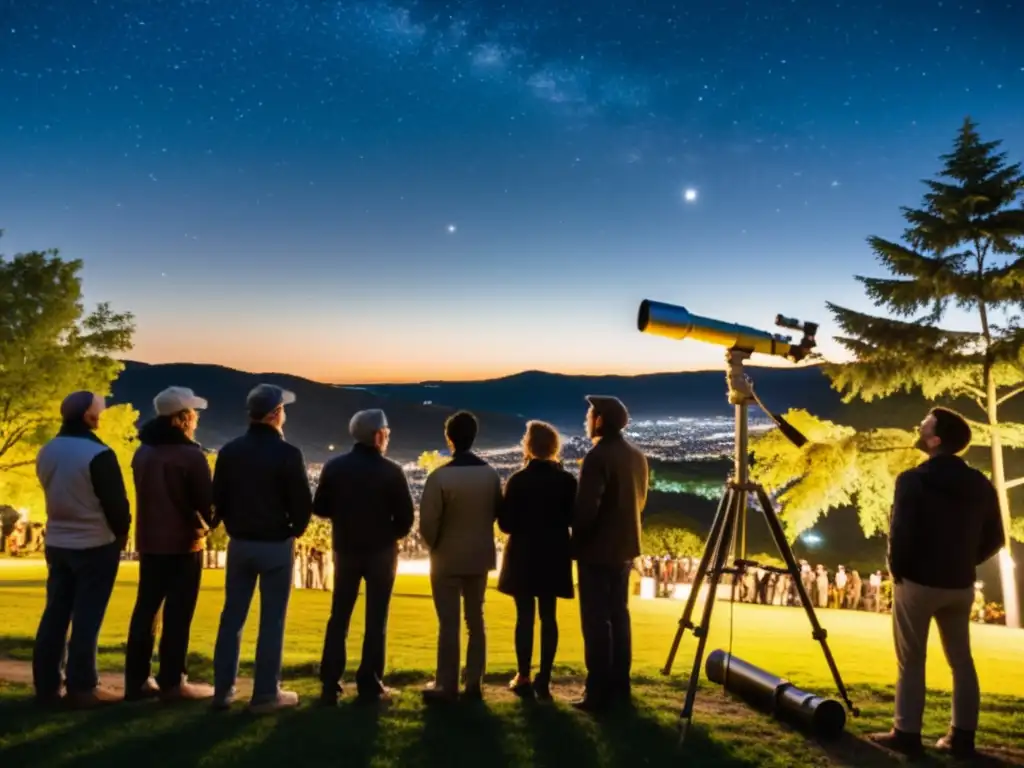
(1007, 577)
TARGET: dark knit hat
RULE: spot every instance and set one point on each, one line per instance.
(613, 413)
(75, 405)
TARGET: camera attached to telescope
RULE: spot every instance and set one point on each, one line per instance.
(678, 323)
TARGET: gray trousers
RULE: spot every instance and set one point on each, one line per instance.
(450, 594)
(914, 607)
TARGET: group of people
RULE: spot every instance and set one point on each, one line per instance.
(946, 520)
(259, 490)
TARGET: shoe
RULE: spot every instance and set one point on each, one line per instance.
(908, 744)
(97, 697)
(329, 697)
(381, 695)
(590, 705)
(434, 693)
(188, 692)
(223, 701)
(521, 686)
(147, 690)
(51, 699)
(283, 700)
(958, 742)
(542, 690)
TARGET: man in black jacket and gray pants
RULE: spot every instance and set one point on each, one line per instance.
(261, 493)
(366, 497)
(945, 522)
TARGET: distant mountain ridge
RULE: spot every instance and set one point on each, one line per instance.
(318, 419)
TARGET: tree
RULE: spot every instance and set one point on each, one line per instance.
(49, 347)
(661, 537)
(838, 467)
(431, 460)
(963, 248)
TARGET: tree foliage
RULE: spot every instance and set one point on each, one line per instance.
(49, 346)
(963, 249)
(431, 460)
(119, 430)
(662, 537)
(837, 467)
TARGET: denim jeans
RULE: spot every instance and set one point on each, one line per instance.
(270, 563)
(378, 570)
(78, 587)
(170, 582)
(607, 638)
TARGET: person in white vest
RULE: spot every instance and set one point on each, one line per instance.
(88, 520)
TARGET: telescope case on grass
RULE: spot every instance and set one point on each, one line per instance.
(823, 717)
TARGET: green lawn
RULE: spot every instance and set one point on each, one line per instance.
(501, 731)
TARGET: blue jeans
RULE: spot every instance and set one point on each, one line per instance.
(269, 562)
(78, 587)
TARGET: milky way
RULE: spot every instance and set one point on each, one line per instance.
(318, 155)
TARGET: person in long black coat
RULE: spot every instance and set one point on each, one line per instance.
(536, 569)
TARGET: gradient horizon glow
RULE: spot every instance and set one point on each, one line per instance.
(390, 190)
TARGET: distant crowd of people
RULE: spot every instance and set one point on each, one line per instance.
(946, 521)
(766, 586)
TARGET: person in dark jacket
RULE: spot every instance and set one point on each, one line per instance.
(606, 540)
(261, 493)
(366, 497)
(536, 568)
(173, 503)
(946, 521)
(88, 520)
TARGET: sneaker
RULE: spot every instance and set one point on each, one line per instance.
(521, 686)
(472, 693)
(283, 700)
(381, 695)
(908, 744)
(435, 693)
(958, 742)
(542, 690)
(589, 705)
(97, 697)
(188, 692)
(146, 690)
(223, 701)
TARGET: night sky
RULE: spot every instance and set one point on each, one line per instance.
(366, 191)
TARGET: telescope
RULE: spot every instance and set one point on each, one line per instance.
(824, 717)
(678, 323)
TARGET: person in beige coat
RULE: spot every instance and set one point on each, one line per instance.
(458, 511)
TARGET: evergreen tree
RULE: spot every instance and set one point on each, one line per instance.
(963, 248)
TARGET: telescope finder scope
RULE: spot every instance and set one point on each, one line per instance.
(675, 322)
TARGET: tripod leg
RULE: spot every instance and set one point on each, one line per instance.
(733, 509)
(685, 622)
(818, 632)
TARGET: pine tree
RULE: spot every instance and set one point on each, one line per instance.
(963, 248)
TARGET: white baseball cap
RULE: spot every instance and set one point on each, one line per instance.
(177, 399)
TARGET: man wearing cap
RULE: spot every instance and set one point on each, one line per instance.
(606, 539)
(366, 497)
(173, 501)
(261, 493)
(87, 524)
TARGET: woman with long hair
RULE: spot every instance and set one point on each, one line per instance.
(536, 569)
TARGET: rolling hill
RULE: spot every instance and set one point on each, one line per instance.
(317, 420)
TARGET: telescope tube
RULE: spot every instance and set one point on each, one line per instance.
(677, 323)
(824, 717)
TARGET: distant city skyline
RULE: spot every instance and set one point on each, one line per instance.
(364, 191)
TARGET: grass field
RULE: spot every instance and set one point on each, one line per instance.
(501, 731)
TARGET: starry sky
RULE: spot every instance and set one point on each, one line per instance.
(394, 190)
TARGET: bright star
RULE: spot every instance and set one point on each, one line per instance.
(690, 195)
(451, 228)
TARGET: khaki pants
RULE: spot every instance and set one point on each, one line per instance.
(450, 594)
(914, 606)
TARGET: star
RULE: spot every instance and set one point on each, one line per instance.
(690, 195)
(451, 229)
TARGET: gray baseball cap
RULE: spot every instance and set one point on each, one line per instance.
(177, 399)
(365, 424)
(264, 398)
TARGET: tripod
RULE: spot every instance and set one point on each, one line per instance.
(730, 524)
